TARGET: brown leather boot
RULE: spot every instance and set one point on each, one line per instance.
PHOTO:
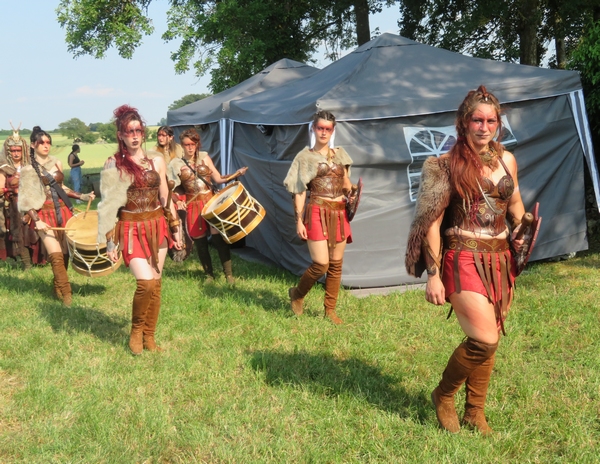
(469, 355)
(476, 387)
(204, 257)
(225, 256)
(141, 302)
(152, 318)
(308, 279)
(62, 287)
(332, 289)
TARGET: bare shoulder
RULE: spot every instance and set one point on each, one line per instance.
(509, 159)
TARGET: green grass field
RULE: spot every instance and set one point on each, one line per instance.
(244, 381)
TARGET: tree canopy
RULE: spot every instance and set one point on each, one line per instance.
(511, 30)
(187, 99)
(236, 38)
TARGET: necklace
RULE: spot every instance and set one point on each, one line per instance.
(488, 158)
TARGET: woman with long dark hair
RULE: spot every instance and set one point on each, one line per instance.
(194, 175)
(468, 204)
(323, 169)
(46, 200)
(135, 191)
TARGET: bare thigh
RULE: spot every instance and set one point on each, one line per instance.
(321, 253)
(476, 316)
(143, 270)
(51, 243)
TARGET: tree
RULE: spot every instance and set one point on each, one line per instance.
(237, 38)
(186, 100)
(73, 128)
(512, 30)
(107, 132)
(586, 59)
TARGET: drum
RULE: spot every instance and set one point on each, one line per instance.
(88, 257)
(233, 212)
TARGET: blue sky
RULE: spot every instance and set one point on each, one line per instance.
(42, 84)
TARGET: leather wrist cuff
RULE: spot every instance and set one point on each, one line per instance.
(32, 213)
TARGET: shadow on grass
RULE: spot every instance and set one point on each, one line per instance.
(326, 375)
(87, 320)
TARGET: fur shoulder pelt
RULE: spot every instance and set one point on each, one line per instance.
(31, 190)
(201, 156)
(113, 189)
(304, 168)
(173, 170)
(433, 198)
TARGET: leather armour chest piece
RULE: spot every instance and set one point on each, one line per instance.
(329, 181)
(145, 198)
(191, 184)
(59, 177)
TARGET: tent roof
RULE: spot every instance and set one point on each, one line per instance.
(215, 107)
(392, 76)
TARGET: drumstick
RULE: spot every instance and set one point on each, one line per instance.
(525, 223)
(88, 207)
(60, 228)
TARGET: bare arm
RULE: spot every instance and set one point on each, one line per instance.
(434, 291)
(299, 200)
(516, 209)
(216, 175)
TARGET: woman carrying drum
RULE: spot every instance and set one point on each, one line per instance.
(46, 200)
(322, 169)
(135, 190)
(193, 176)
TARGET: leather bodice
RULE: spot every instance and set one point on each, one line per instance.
(144, 198)
(192, 184)
(329, 181)
(487, 215)
(59, 177)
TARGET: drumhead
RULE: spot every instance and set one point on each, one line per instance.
(83, 228)
(220, 198)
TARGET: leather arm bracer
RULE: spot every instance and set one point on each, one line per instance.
(432, 260)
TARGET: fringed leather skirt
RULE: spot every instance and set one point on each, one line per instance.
(140, 235)
(483, 266)
(326, 220)
(196, 225)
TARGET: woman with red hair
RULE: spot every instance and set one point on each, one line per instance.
(467, 206)
(134, 188)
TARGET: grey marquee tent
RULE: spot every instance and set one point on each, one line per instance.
(212, 113)
(395, 101)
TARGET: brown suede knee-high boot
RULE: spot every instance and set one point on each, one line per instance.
(308, 279)
(332, 289)
(62, 287)
(476, 387)
(224, 256)
(204, 257)
(468, 356)
(152, 318)
(141, 302)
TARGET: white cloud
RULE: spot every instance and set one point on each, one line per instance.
(87, 91)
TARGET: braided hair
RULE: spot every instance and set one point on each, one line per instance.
(36, 136)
